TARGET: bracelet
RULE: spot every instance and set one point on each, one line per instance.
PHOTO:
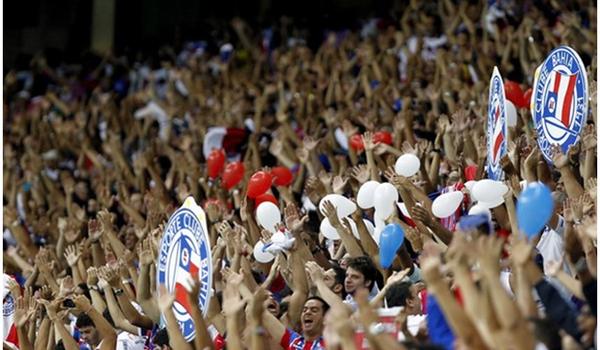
(118, 291)
(437, 150)
(92, 287)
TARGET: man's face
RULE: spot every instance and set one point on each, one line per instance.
(312, 318)
(89, 335)
(330, 281)
(414, 303)
(272, 305)
(354, 279)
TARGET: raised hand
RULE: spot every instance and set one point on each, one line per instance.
(165, 300)
(559, 159)
(94, 230)
(330, 212)
(72, 254)
(489, 249)
(257, 303)
(397, 276)
(292, 218)
(415, 239)
(589, 137)
(310, 143)
(368, 142)
(314, 271)
(276, 147)
(339, 183)
(361, 173)
(521, 251)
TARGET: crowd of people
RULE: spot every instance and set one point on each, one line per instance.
(97, 158)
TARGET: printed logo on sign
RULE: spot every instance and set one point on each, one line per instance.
(185, 252)
(560, 100)
(496, 141)
(8, 306)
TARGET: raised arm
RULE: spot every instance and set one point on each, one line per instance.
(107, 333)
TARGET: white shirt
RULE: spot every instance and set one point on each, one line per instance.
(128, 341)
(552, 245)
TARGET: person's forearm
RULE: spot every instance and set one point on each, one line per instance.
(132, 314)
(67, 339)
(371, 165)
(97, 255)
(366, 240)
(24, 343)
(97, 299)
(349, 242)
(572, 285)
(507, 312)
(456, 317)
(300, 289)
(522, 290)
(203, 338)
(144, 283)
(258, 341)
(115, 312)
(176, 339)
(589, 169)
(328, 295)
(511, 212)
(572, 187)
(21, 263)
(42, 338)
(116, 244)
(233, 333)
(23, 238)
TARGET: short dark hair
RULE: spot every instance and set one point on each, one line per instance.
(397, 294)
(161, 338)
(84, 321)
(340, 274)
(323, 302)
(364, 265)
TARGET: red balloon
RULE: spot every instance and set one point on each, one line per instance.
(527, 97)
(382, 137)
(259, 183)
(215, 162)
(282, 176)
(356, 142)
(265, 197)
(233, 174)
(514, 93)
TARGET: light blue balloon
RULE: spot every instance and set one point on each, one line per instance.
(534, 208)
(390, 241)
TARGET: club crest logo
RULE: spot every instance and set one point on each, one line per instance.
(184, 252)
(496, 127)
(560, 100)
(8, 306)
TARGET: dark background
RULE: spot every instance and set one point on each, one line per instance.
(62, 28)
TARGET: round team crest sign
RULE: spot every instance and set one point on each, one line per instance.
(496, 127)
(560, 100)
(185, 252)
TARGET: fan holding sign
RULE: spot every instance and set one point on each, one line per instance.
(496, 137)
(185, 252)
(560, 100)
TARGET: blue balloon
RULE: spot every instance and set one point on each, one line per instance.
(390, 240)
(534, 208)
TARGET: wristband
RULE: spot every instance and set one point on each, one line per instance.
(118, 291)
(92, 287)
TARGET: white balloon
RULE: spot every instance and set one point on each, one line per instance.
(511, 114)
(403, 209)
(446, 204)
(268, 216)
(341, 138)
(278, 237)
(370, 226)
(407, 165)
(386, 196)
(259, 255)
(492, 204)
(489, 191)
(469, 185)
(379, 226)
(343, 205)
(480, 209)
(213, 139)
(328, 231)
(366, 194)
